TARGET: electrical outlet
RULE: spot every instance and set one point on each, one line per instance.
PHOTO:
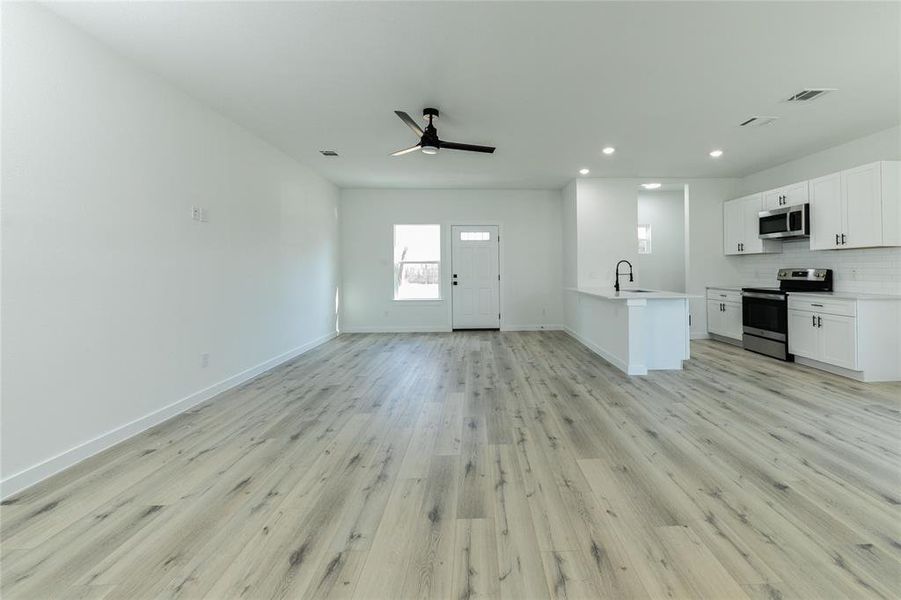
(195, 213)
(204, 360)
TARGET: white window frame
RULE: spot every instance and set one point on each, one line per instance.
(647, 226)
(394, 264)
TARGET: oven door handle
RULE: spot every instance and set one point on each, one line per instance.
(764, 296)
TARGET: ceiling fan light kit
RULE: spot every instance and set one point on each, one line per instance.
(429, 143)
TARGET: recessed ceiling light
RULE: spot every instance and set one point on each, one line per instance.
(650, 186)
(716, 153)
(609, 150)
(584, 171)
(328, 153)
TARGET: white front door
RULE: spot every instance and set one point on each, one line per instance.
(475, 277)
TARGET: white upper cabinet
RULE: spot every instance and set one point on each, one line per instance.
(788, 195)
(856, 208)
(751, 242)
(862, 206)
(826, 212)
(733, 226)
(741, 227)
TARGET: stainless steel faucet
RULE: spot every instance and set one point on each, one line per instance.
(616, 285)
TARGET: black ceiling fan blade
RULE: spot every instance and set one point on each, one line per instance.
(410, 122)
(406, 151)
(468, 147)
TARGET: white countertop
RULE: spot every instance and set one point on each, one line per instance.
(849, 295)
(731, 288)
(611, 294)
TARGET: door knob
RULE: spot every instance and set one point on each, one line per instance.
(455, 283)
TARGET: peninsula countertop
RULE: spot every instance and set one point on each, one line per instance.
(630, 294)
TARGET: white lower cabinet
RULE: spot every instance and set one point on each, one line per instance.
(831, 339)
(724, 313)
(838, 340)
(803, 335)
(859, 338)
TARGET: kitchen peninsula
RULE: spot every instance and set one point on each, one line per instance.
(635, 330)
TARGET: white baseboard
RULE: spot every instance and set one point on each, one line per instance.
(397, 329)
(531, 327)
(26, 478)
(442, 329)
(699, 335)
(613, 360)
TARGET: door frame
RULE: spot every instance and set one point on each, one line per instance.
(450, 271)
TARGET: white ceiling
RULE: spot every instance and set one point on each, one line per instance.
(549, 83)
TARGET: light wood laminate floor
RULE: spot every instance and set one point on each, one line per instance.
(490, 465)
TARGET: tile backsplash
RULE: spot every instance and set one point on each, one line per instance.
(876, 270)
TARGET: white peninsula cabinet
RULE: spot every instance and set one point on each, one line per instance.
(856, 208)
(855, 335)
(741, 227)
(724, 314)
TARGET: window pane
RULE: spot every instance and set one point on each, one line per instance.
(418, 281)
(475, 236)
(417, 242)
(417, 267)
(644, 239)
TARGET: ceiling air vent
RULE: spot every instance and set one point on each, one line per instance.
(328, 153)
(757, 121)
(809, 94)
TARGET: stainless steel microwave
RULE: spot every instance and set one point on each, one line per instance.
(786, 222)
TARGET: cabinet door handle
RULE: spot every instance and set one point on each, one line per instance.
(836, 239)
(817, 305)
(843, 239)
(813, 319)
(724, 308)
(819, 321)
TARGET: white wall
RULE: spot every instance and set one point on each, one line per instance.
(531, 255)
(883, 145)
(110, 291)
(862, 270)
(664, 267)
(607, 214)
(570, 236)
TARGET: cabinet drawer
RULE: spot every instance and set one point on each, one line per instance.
(723, 295)
(827, 306)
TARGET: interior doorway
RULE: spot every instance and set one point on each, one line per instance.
(662, 219)
(475, 277)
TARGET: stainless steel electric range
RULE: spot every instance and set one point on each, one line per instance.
(765, 310)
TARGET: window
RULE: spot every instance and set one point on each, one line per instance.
(644, 239)
(475, 236)
(417, 262)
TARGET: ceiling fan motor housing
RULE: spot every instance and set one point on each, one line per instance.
(429, 112)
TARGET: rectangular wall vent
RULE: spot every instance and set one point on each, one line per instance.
(758, 121)
(328, 153)
(809, 95)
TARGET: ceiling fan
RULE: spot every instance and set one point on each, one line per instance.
(428, 139)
